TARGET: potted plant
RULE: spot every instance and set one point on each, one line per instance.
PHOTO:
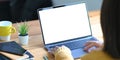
(23, 33)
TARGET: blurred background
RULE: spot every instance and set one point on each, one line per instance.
(26, 10)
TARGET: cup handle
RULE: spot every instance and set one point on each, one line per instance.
(13, 30)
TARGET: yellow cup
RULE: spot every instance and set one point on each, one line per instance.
(6, 29)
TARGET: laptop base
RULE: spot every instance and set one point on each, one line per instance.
(76, 53)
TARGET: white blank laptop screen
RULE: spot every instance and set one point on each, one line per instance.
(60, 24)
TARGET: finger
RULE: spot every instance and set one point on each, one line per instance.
(88, 43)
(92, 48)
(93, 43)
(88, 47)
(56, 47)
(52, 51)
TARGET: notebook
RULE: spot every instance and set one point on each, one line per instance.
(12, 47)
(12, 51)
(67, 25)
(13, 56)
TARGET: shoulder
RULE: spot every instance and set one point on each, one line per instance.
(96, 55)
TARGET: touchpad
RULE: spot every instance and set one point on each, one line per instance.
(78, 52)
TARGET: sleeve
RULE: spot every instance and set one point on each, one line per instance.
(63, 53)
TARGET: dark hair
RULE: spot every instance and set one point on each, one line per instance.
(110, 23)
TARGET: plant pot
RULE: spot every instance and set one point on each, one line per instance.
(23, 40)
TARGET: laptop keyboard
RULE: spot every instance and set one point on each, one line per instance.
(74, 44)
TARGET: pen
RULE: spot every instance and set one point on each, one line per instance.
(45, 57)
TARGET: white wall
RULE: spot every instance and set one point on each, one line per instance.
(91, 4)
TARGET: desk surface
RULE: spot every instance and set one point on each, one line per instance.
(35, 41)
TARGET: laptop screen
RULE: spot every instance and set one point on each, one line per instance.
(64, 23)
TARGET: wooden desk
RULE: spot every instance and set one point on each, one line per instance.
(35, 41)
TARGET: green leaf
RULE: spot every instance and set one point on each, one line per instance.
(23, 28)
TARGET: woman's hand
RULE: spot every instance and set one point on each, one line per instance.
(92, 45)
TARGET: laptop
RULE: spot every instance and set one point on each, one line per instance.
(67, 25)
